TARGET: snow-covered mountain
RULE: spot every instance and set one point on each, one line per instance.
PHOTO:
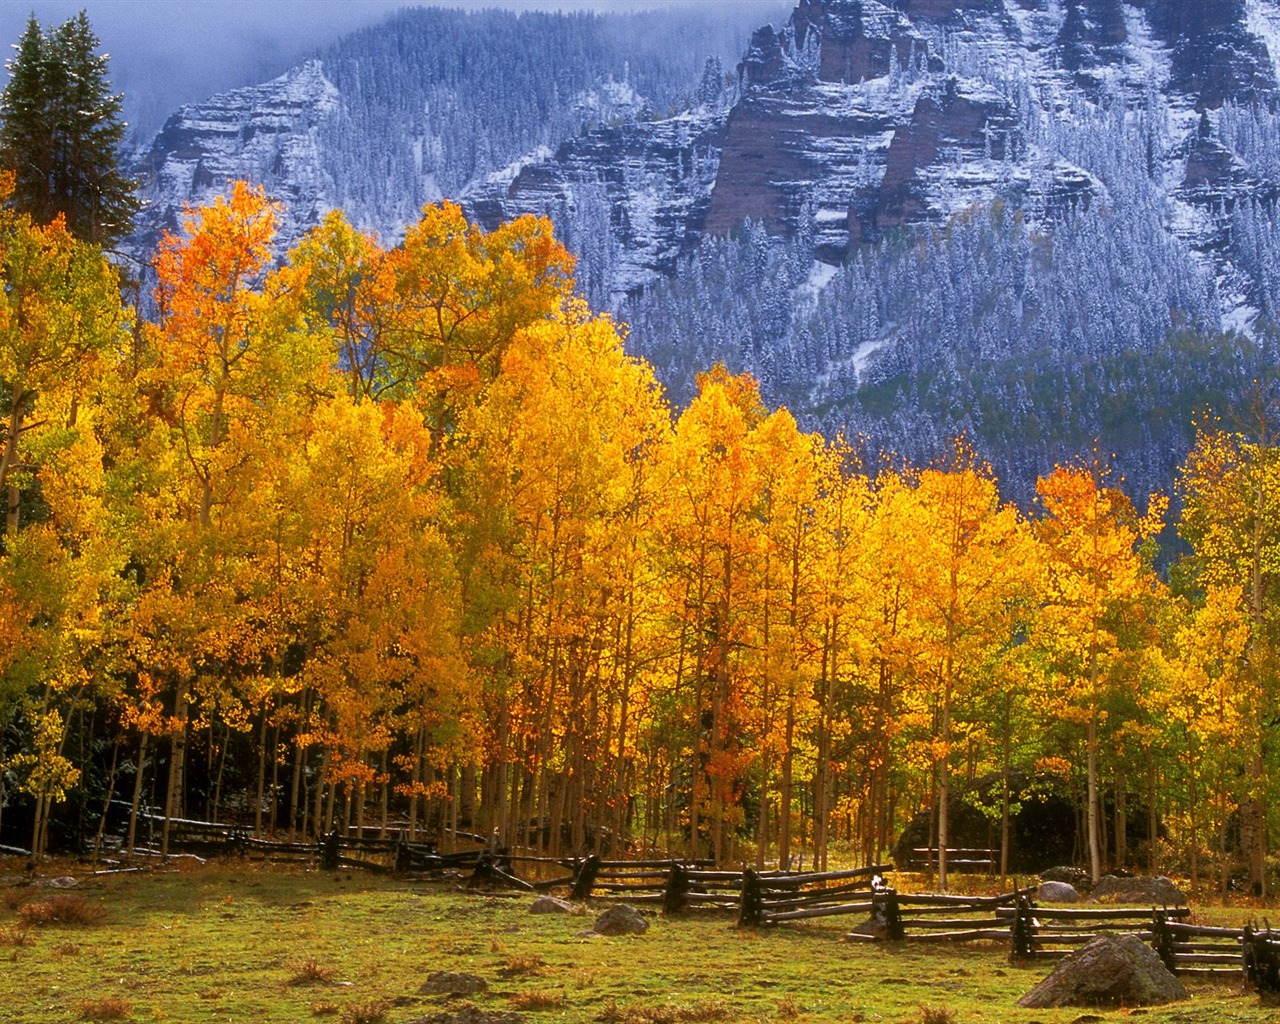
(424, 105)
(1031, 220)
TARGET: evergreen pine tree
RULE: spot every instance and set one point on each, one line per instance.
(61, 132)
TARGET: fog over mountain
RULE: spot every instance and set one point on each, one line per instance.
(165, 53)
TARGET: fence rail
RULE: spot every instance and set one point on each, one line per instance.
(961, 859)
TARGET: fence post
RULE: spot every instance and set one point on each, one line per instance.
(677, 888)
(329, 851)
(1162, 938)
(1261, 960)
(751, 903)
(885, 907)
(584, 878)
(1022, 931)
(483, 874)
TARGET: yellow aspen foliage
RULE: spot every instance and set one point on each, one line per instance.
(973, 560)
(60, 316)
(1095, 580)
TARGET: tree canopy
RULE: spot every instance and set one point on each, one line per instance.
(61, 133)
(403, 535)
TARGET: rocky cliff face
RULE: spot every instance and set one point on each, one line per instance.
(1107, 173)
(268, 134)
(434, 100)
(641, 190)
(860, 117)
(854, 119)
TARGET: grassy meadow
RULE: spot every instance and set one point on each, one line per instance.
(243, 943)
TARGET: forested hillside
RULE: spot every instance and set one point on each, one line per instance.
(1042, 222)
(402, 533)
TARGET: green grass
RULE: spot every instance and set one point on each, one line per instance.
(249, 944)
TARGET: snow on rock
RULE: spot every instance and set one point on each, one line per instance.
(638, 189)
(269, 134)
(854, 120)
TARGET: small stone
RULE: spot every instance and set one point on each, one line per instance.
(872, 926)
(550, 905)
(621, 920)
(447, 983)
(1078, 877)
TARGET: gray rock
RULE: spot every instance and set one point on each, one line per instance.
(620, 920)
(1078, 877)
(550, 905)
(1112, 970)
(62, 882)
(1145, 890)
(446, 983)
(471, 1015)
(872, 926)
(1057, 892)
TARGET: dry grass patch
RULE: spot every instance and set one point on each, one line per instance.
(530, 963)
(164, 932)
(937, 1015)
(310, 972)
(534, 999)
(366, 1013)
(19, 935)
(60, 908)
(648, 1013)
(111, 1008)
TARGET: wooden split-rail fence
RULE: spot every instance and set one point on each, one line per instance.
(770, 898)
(935, 917)
(675, 886)
(213, 839)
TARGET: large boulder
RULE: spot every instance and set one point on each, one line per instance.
(620, 920)
(1111, 970)
(1057, 892)
(1141, 889)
